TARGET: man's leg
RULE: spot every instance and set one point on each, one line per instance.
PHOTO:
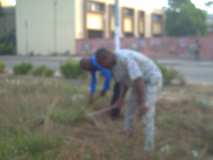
(115, 112)
(151, 94)
(130, 111)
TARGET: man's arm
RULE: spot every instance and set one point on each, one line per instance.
(138, 88)
(93, 83)
(136, 75)
(107, 79)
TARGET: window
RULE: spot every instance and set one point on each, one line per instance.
(128, 22)
(95, 7)
(157, 22)
(94, 19)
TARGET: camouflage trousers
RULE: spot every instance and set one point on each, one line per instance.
(151, 95)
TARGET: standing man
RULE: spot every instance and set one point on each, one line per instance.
(142, 77)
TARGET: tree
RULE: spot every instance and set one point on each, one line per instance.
(184, 19)
(177, 3)
(209, 4)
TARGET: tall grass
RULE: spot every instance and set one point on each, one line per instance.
(44, 118)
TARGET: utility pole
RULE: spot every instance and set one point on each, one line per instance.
(117, 26)
(55, 14)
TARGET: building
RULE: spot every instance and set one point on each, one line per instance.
(47, 27)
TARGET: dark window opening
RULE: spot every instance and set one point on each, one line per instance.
(128, 34)
(129, 12)
(95, 34)
(156, 18)
(95, 7)
(141, 34)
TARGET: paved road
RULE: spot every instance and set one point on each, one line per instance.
(194, 72)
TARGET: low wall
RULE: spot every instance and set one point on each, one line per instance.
(163, 47)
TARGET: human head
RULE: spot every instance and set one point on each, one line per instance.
(105, 57)
(85, 64)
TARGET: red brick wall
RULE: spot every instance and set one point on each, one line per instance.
(164, 47)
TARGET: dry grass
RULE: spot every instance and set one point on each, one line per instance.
(49, 117)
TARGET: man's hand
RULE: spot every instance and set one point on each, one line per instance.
(143, 109)
(119, 103)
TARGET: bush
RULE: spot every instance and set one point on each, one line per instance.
(22, 68)
(169, 74)
(2, 67)
(43, 71)
(71, 69)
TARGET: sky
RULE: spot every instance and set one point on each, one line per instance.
(162, 3)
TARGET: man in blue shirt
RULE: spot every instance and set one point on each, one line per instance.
(89, 64)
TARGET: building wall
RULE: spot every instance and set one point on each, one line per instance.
(135, 4)
(45, 27)
(155, 47)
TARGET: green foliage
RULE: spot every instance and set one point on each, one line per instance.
(71, 69)
(178, 3)
(209, 3)
(22, 68)
(169, 74)
(43, 71)
(184, 19)
(2, 67)
(6, 48)
(28, 146)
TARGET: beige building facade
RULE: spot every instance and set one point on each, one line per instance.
(48, 27)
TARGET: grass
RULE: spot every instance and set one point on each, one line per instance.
(46, 119)
(2, 67)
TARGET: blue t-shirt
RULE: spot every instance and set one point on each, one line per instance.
(105, 73)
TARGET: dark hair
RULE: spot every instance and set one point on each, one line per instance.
(102, 53)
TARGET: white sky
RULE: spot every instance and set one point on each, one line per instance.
(161, 3)
(198, 4)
